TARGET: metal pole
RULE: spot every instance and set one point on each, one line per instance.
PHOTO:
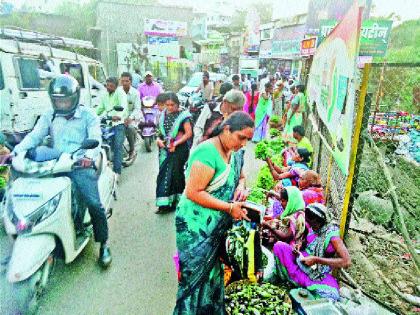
(345, 214)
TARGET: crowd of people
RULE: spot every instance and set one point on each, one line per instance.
(296, 226)
(201, 177)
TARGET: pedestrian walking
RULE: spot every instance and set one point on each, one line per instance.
(263, 113)
(174, 142)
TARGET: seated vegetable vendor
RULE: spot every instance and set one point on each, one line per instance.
(310, 266)
(290, 175)
(302, 142)
(311, 188)
(288, 221)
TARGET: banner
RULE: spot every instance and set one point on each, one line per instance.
(163, 46)
(374, 35)
(156, 27)
(252, 31)
(286, 48)
(331, 84)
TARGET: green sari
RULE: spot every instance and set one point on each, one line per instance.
(294, 119)
(200, 235)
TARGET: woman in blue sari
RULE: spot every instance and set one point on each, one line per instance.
(175, 135)
(205, 214)
(263, 113)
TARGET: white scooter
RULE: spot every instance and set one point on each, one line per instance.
(39, 213)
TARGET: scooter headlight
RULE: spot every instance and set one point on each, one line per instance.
(25, 224)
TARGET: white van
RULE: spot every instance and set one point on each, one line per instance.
(25, 71)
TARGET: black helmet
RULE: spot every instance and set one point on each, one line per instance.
(225, 87)
(64, 92)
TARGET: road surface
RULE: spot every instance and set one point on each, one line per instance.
(142, 277)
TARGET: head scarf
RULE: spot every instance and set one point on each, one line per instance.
(295, 201)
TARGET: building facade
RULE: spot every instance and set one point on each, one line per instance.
(120, 25)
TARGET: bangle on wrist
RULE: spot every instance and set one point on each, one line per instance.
(230, 208)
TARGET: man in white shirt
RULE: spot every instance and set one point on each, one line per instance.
(134, 111)
(206, 87)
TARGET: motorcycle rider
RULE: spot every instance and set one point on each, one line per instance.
(206, 87)
(115, 97)
(134, 112)
(68, 124)
(149, 87)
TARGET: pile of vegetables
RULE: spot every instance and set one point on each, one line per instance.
(275, 119)
(268, 148)
(263, 150)
(244, 297)
(274, 132)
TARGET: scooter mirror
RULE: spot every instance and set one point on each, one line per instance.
(118, 108)
(89, 144)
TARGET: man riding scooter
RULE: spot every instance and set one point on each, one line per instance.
(111, 99)
(69, 124)
(134, 112)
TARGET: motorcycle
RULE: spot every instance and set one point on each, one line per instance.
(108, 132)
(148, 128)
(195, 104)
(39, 213)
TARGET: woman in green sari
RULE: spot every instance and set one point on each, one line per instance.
(263, 113)
(175, 134)
(205, 214)
(294, 116)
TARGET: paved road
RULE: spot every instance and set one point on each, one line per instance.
(142, 278)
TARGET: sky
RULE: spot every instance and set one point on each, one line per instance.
(407, 9)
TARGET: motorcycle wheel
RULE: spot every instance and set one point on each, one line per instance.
(26, 293)
(148, 143)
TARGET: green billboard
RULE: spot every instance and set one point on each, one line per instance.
(374, 35)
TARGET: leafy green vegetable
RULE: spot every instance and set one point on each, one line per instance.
(262, 150)
(244, 297)
(274, 132)
(265, 179)
(256, 196)
(275, 119)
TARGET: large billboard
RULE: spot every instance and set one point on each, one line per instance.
(374, 35)
(157, 27)
(332, 80)
(329, 10)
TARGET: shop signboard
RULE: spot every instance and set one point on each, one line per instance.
(308, 46)
(332, 83)
(374, 35)
(157, 27)
(163, 46)
(286, 48)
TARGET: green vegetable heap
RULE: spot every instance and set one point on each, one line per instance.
(244, 297)
(274, 132)
(275, 119)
